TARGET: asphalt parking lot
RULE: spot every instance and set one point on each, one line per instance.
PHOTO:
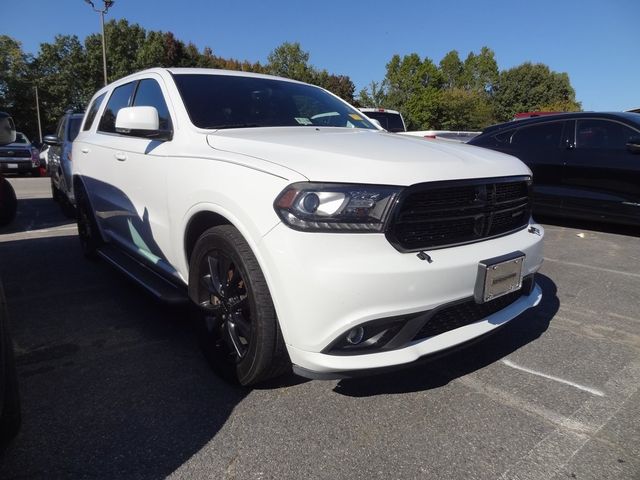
(113, 384)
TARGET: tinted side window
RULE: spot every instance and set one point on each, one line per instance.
(602, 134)
(92, 112)
(538, 136)
(501, 139)
(119, 99)
(74, 128)
(149, 94)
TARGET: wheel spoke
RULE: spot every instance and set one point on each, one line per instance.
(242, 326)
(232, 340)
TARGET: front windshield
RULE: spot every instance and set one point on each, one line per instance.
(229, 101)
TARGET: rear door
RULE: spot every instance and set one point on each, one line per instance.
(603, 175)
(540, 146)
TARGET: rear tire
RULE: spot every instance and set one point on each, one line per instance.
(236, 320)
(88, 232)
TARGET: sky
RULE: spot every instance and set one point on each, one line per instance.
(596, 42)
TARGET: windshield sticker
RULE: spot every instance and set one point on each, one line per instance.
(303, 121)
(356, 117)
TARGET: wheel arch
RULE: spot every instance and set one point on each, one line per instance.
(197, 225)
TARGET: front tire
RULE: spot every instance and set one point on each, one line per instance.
(236, 320)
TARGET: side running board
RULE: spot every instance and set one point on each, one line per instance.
(157, 285)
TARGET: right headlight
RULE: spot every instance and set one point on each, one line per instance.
(336, 207)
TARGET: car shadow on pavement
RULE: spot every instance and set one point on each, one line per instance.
(113, 384)
(428, 374)
(37, 214)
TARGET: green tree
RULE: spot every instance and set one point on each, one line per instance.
(377, 97)
(452, 70)
(16, 85)
(340, 85)
(290, 61)
(461, 109)
(61, 73)
(480, 72)
(533, 87)
(411, 86)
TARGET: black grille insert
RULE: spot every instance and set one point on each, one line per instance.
(468, 311)
(17, 153)
(441, 214)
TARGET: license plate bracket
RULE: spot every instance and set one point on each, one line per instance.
(499, 276)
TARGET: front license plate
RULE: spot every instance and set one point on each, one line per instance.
(12, 165)
(501, 276)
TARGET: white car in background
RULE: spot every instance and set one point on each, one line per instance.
(390, 120)
(301, 233)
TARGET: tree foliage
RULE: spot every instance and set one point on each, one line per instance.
(466, 95)
(67, 71)
(532, 87)
(453, 94)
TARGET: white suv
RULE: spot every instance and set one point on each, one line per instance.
(301, 232)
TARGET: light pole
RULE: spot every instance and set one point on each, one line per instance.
(107, 5)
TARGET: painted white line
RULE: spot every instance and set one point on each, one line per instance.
(591, 267)
(593, 391)
(557, 449)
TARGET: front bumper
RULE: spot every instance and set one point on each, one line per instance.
(323, 285)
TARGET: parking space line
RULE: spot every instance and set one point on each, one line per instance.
(593, 391)
(511, 400)
(555, 451)
(592, 267)
(44, 232)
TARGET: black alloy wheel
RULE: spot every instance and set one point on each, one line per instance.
(222, 297)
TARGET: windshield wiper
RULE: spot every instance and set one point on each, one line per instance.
(232, 125)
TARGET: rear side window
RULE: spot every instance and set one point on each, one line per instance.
(149, 94)
(538, 136)
(74, 127)
(602, 134)
(92, 112)
(119, 99)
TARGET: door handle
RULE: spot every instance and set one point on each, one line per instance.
(85, 150)
(121, 156)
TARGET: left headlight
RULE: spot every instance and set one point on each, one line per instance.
(336, 207)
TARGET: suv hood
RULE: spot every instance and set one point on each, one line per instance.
(365, 156)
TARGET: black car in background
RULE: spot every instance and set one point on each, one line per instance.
(585, 165)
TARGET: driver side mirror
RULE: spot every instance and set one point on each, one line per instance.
(141, 122)
(633, 144)
(7, 129)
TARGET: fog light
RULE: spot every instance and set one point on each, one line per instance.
(355, 335)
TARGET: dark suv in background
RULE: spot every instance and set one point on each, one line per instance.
(59, 157)
(585, 165)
